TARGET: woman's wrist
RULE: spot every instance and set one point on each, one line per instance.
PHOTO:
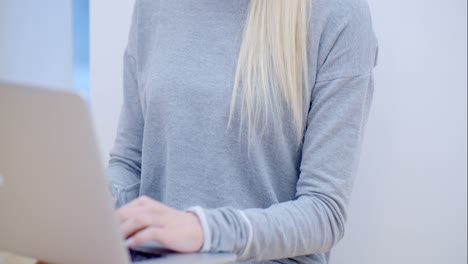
(199, 212)
(197, 228)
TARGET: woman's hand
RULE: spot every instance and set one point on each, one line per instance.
(144, 220)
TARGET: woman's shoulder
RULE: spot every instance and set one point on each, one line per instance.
(340, 13)
(342, 32)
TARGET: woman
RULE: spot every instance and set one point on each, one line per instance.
(241, 125)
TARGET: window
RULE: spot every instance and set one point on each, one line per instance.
(81, 46)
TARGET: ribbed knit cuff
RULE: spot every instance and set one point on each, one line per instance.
(231, 230)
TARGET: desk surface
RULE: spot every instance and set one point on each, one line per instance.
(6, 258)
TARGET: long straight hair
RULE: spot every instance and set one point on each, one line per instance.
(272, 66)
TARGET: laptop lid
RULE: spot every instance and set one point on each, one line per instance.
(53, 200)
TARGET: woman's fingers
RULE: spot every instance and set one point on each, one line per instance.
(135, 224)
(141, 221)
(138, 205)
(140, 214)
(128, 210)
(144, 220)
(144, 236)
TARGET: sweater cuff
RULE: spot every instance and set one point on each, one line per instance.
(250, 235)
(231, 231)
(204, 224)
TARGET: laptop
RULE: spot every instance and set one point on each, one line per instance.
(55, 205)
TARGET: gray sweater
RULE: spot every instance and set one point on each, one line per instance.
(275, 203)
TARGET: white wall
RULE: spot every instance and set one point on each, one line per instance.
(109, 26)
(409, 204)
(36, 42)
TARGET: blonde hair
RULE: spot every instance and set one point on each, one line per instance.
(272, 65)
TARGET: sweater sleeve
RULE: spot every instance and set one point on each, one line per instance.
(314, 221)
(124, 168)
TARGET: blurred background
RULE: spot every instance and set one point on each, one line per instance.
(45, 43)
(410, 199)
